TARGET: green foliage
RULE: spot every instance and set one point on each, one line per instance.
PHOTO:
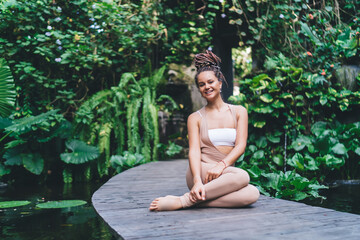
(168, 150)
(62, 51)
(314, 36)
(26, 139)
(293, 132)
(7, 89)
(11, 204)
(80, 152)
(127, 160)
(123, 118)
(61, 204)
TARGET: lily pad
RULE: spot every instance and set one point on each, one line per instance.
(61, 204)
(11, 204)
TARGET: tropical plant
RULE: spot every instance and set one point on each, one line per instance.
(61, 204)
(62, 51)
(123, 118)
(293, 132)
(27, 140)
(80, 152)
(168, 150)
(127, 160)
(7, 89)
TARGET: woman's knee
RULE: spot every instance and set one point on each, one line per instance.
(253, 194)
(241, 178)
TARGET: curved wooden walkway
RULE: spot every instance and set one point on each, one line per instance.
(124, 200)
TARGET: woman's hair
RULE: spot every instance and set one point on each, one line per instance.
(208, 61)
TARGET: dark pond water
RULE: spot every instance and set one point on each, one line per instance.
(29, 222)
(343, 197)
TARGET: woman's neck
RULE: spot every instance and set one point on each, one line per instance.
(217, 105)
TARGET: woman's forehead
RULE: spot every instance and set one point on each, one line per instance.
(206, 75)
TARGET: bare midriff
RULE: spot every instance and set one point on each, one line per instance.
(224, 149)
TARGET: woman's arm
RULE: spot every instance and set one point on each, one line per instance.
(193, 125)
(197, 192)
(241, 136)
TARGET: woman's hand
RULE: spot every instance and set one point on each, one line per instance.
(214, 172)
(197, 192)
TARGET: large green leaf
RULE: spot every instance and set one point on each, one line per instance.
(339, 148)
(33, 162)
(309, 33)
(301, 142)
(81, 152)
(266, 98)
(5, 122)
(61, 204)
(297, 161)
(7, 89)
(259, 154)
(357, 151)
(11, 204)
(254, 172)
(4, 170)
(13, 156)
(25, 124)
(323, 145)
(128, 160)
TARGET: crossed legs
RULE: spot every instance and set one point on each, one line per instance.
(231, 189)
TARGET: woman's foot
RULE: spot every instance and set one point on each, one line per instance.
(168, 203)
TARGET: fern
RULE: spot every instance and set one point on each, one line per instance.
(81, 152)
(104, 145)
(156, 78)
(85, 113)
(148, 129)
(133, 125)
(7, 89)
(154, 119)
(119, 130)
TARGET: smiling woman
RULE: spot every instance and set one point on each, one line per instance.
(217, 138)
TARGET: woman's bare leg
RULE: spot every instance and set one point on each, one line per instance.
(224, 191)
(241, 198)
(168, 203)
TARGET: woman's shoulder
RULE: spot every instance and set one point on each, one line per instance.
(195, 117)
(239, 109)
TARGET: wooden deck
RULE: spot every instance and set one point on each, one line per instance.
(124, 200)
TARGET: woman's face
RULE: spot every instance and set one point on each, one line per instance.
(209, 85)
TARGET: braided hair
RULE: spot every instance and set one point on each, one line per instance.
(208, 61)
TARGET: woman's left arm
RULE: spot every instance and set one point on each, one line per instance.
(241, 136)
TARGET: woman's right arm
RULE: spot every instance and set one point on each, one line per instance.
(198, 191)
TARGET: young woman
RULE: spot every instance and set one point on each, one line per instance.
(217, 138)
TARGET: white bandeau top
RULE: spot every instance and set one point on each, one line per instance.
(222, 136)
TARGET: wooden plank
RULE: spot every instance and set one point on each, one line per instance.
(124, 200)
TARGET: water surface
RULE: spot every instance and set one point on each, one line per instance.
(29, 222)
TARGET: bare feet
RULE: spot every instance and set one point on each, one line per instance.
(168, 203)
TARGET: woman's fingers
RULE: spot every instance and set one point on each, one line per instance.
(202, 190)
